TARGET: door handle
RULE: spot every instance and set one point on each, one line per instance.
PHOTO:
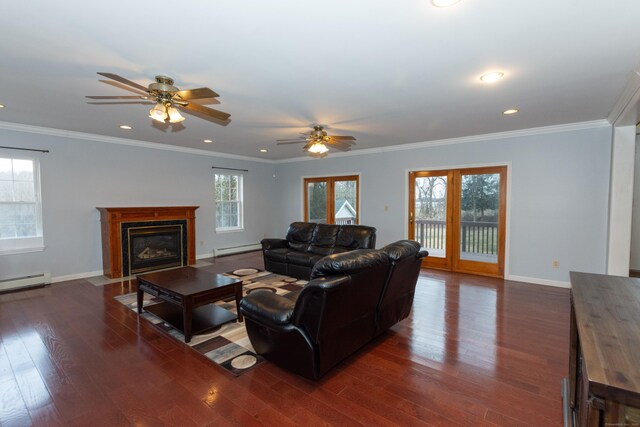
(410, 217)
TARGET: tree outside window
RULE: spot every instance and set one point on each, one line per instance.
(228, 189)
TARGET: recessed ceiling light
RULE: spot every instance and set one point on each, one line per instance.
(263, 150)
(492, 77)
(510, 111)
(127, 127)
(1, 105)
(444, 3)
(208, 141)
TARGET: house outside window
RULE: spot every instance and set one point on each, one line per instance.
(228, 202)
(20, 206)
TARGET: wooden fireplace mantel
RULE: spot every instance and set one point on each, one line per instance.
(111, 220)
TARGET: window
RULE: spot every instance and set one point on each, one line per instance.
(20, 206)
(228, 202)
(331, 200)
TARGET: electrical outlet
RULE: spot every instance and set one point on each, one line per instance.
(555, 263)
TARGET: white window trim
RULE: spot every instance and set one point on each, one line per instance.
(21, 245)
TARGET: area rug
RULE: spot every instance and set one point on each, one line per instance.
(228, 345)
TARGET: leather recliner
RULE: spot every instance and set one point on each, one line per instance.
(307, 242)
(352, 298)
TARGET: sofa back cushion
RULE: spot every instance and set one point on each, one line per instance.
(324, 239)
(339, 316)
(397, 298)
(355, 237)
(300, 234)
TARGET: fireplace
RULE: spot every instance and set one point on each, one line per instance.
(153, 245)
(135, 240)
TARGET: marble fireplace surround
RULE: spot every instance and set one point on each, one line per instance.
(111, 219)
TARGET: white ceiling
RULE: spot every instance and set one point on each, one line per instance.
(387, 72)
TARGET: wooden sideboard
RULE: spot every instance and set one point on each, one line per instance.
(604, 362)
(111, 220)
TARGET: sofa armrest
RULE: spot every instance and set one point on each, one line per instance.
(274, 244)
(267, 308)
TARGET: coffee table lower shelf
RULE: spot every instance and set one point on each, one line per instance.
(205, 318)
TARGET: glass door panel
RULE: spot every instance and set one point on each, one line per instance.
(317, 201)
(479, 213)
(428, 213)
(345, 201)
(431, 214)
(480, 218)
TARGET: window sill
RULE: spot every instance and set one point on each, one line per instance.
(22, 250)
(228, 230)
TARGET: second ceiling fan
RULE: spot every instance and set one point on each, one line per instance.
(317, 141)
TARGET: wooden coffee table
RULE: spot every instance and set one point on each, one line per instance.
(188, 294)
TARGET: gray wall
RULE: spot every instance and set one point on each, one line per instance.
(79, 175)
(558, 195)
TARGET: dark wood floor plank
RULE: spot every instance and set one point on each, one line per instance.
(474, 351)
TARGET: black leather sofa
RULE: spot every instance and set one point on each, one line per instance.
(351, 298)
(307, 242)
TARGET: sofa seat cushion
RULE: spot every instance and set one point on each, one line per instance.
(268, 308)
(279, 255)
(302, 258)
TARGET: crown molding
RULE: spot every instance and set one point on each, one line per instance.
(411, 146)
(467, 139)
(18, 127)
(626, 102)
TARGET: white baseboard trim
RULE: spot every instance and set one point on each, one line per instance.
(77, 276)
(237, 249)
(536, 281)
(202, 256)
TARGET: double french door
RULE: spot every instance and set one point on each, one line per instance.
(459, 216)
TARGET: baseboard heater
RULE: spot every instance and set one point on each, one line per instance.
(237, 249)
(25, 282)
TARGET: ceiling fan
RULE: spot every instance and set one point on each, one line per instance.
(317, 141)
(168, 99)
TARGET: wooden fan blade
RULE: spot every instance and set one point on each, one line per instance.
(206, 111)
(199, 93)
(346, 142)
(291, 139)
(290, 142)
(123, 80)
(342, 147)
(118, 97)
(309, 144)
(348, 137)
(139, 102)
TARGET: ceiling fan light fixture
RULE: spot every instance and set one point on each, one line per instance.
(174, 115)
(159, 112)
(318, 148)
(492, 77)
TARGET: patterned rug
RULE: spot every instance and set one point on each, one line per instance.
(228, 345)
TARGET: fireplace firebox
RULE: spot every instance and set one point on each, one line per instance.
(152, 247)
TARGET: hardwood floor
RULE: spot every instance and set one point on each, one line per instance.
(475, 351)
